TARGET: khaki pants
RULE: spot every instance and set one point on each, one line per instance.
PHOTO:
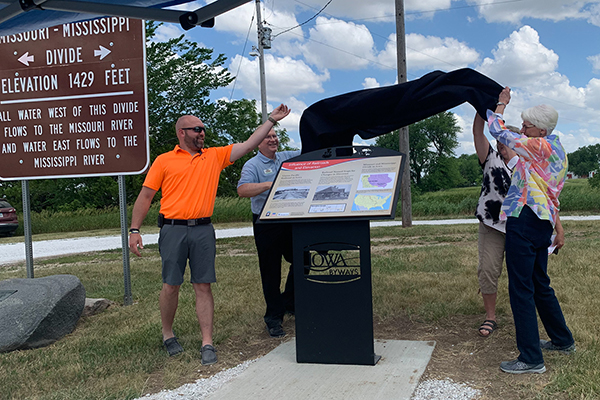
(491, 257)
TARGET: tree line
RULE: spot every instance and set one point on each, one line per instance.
(181, 76)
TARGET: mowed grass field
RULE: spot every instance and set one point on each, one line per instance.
(424, 274)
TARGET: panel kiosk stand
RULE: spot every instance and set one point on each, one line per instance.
(329, 196)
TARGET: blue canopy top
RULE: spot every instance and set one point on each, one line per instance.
(25, 15)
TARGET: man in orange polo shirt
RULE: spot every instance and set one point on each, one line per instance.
(188, 177)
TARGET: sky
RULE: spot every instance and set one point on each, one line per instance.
(546, 51)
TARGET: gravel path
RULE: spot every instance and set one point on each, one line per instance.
(201, 388)
(427, 390)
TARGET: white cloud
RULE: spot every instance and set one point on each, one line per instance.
(520, 59)
(592, 93)
(296, 105)
(370, 83)
(166, 32)
(575, 139)
(530, 69)
(285, 77)
(381, 10)
(387, 58)
(237, 21)
(595, 60)
(242, 19)
(515, 11)
(594, 14)
(292, 121)
(430, 52)
(336, 44)
(465, 136)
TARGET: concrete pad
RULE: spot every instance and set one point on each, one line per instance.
(278, 376)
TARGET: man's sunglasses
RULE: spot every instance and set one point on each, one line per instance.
(197, 129)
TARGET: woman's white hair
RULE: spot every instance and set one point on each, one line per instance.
(542, 116)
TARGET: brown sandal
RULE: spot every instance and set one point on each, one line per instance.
(487, 326)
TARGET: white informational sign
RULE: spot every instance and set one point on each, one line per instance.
(338, 188)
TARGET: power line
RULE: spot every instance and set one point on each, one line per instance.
(394, 41)
(243, 52)
(341, 50)
(414, 12)
(305, 22)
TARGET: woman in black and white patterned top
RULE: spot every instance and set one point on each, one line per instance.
(497, 170)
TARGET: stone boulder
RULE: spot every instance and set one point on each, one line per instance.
(37, 312)
(96, 306)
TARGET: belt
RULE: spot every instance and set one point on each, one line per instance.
(188, 222)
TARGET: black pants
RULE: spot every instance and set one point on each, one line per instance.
(527, 241)
(273, 241)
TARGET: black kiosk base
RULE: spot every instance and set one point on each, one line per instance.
(334, 308)
(329, 196)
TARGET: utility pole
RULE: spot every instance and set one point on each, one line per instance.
(264, 38)
(404, 144)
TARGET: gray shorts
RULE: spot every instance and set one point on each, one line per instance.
(491, 258)
(178, 243)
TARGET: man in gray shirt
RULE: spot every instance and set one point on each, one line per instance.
(272, 240)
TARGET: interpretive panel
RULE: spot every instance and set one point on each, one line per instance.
(73, 100)
(339, 188)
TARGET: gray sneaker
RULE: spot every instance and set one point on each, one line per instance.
(173, 347)
(548, 345)
(209, 354)
(519, 367)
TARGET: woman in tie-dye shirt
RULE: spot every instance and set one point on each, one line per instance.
(531, 212)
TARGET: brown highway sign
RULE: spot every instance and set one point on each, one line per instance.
(73, 101)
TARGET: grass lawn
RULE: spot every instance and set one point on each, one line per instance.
(424, 288)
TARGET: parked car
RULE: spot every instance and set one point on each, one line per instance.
(8, 218)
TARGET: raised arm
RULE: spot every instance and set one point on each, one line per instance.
(503, 100)
(241, 149)
(482, 145)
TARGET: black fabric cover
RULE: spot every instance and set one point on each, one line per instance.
(370, 113)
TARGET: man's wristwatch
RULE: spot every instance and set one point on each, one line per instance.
(500, 104)
(133, 230)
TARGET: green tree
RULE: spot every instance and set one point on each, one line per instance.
(432, 141)
(444, 174)
(181, 75)
(594, 181)
(234, 122)
(585, 160)
(470, 170)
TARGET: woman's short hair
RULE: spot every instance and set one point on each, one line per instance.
(542, 116)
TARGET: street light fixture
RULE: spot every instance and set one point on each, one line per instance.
(254, 52)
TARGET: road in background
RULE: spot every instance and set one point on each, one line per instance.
(15, 252)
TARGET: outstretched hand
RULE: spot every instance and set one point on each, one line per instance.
(280, 112)
(504, 96)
